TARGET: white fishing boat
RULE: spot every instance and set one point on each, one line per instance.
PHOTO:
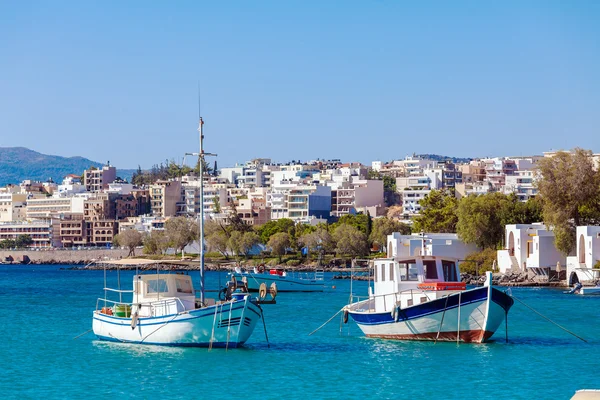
(422, 298)
(285, 281)
(162, 308)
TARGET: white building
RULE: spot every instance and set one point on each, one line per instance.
(579, 267)
(436, 244)
(48, 207)
(529, 247)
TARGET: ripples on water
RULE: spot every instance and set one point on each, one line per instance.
(44, 309)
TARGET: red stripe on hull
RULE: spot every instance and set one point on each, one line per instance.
(473, 336)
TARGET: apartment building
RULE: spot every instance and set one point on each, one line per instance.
(355, 195)
(41, 232)
(12, 207)
(100, 207)
(166, 198)
(98, 179)
(522, 184)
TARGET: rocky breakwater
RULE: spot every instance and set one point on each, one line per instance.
(516, 279)
(60, 256)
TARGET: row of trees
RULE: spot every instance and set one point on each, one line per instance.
(351, 235)
(178, 233)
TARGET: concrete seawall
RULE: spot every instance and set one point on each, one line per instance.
(63, 256)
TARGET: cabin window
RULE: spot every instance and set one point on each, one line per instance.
(449, 269)
(391, 271)
(375, 278)
(183, 286)
(408, 271)
(430, 269)
(157, 286)
(382, 272)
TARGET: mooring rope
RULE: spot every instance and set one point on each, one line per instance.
(328, 321)
(78, 336)
(548, 319)
(262, 315)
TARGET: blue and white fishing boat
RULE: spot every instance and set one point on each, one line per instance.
(162, 308)
(422, 298)
(298, 281)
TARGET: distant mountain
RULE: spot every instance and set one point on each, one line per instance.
(19, 163)
(437, 157)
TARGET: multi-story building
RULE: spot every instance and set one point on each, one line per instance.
(215, 198)
(12, 207)
(355, 195)
(253, 211)
(53, 207)
(41, 232)
(522, 184)
(100, 207)
(71, 185)
(165, 198)
(97, 179)
(73, 231)
(102, 233)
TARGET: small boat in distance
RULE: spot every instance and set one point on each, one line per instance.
(297, 281)
(422, 298)
(587, 282)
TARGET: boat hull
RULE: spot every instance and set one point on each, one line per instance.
(284, 283)
(471, 316)
(223, 325)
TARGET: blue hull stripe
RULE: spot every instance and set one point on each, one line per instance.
(434, 307)
(171, 318)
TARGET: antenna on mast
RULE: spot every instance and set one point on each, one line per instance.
(199, 103)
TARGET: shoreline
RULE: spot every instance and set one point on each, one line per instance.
(92, 259)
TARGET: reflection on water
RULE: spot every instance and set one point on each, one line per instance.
(137, 349)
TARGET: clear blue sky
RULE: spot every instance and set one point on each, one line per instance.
(356, 80)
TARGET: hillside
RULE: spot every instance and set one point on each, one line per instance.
(19, 163)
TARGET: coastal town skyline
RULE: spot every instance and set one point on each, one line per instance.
(356, 81)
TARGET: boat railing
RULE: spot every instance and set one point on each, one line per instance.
(152, 305)
(395, 298)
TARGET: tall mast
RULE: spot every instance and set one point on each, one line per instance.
(201, 241)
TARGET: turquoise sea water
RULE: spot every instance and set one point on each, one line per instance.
(43, 308)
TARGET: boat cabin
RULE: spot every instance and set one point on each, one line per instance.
(162, 294)
(410, 281)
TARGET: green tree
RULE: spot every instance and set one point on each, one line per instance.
(438, 213)
(479, 221)
(180, 232)
(359, 221)
(319, 240)
(279, 243)
(156, 242)
(23, 241)
(248, 241)
(382, 227)
(217, 237)
(131, 238)
(350, 241)
(570, 190)
(272, 227)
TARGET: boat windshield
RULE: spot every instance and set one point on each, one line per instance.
(408, 270)
(157, 286)
(430, 269)
(449, 268)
